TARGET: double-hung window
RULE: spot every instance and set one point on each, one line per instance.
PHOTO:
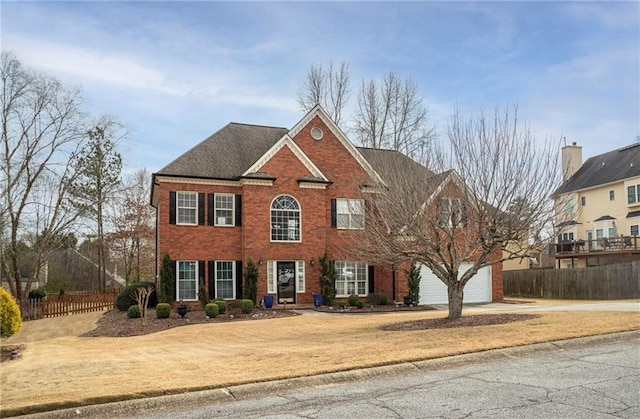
(285, 219)
(450, 212)
(224, 209)
(633, 194)
(187, 207)
(351, 278)
(225, 274)
(350, 214)
(633, 230)
(187, 271)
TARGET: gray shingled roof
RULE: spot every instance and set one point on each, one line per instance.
(226, 154)
(606, 168)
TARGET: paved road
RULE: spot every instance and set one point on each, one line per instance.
(598, 381)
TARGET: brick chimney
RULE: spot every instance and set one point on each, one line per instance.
(571, 160)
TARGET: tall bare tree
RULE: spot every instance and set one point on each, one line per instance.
(100, 164)
(328, 86)
(133, 239)
(468, 214)
(43, 128)
(391, 115)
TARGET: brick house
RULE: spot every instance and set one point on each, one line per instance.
(282, 197)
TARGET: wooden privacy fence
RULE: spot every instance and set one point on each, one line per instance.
(72, 303)
(607, 282)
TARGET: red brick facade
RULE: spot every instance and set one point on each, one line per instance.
(288, 174)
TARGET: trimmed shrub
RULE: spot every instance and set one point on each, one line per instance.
(360, 304)
(222, 305)
(37, 294)
(133, 312)
(163, 310)
(353, 300)
(127, 296)
(247, 306)
(202, 294)
(10, 317)
(381, 299)
(212, 310)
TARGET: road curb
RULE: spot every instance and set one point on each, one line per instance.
(157, 403)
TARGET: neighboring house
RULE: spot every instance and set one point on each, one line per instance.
(282, 197)
(598, 208)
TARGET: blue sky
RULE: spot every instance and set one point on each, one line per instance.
(175, 72)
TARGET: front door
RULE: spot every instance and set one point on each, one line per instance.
(286, 274)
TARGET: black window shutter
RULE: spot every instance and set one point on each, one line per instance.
(239, 278)
(212, 279)
(238, 214)
(334, 217)
(201, 277)
(201, 209)
(371, 270)
(174, 286)
(210, 209)
(172, 207)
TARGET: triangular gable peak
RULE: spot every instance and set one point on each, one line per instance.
(342, 138)
(286, 141)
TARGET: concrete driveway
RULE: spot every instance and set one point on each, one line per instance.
(555, 305)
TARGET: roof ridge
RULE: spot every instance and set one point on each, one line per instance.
(256, 125)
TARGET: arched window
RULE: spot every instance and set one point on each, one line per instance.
(285, 219)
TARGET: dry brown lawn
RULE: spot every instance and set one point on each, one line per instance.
(58, 366)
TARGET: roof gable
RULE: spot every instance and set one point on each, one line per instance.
(286, 141)
(227, 153)
(317, 111)
(610, 167)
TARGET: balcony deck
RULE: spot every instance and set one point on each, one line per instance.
(623, 245)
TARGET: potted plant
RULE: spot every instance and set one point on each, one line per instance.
(182, 309)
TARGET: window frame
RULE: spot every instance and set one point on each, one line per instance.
(612, 195)
(179, 207)
(350, 204)
(179, 280)
(274, 226)
(583, 201)
(359, 268)
(637, 228)
(635, 194)
(216, 279)
(216, 209)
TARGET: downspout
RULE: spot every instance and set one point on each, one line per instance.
(393, 280)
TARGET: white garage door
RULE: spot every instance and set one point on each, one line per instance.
(434, 291)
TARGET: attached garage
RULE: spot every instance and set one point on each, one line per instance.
(434, 291)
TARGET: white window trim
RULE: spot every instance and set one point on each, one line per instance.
(349, 213)
(637, 194)
(215, 210)
(178, 207)
(233, 278)
(450, 205)
(299, 221)
(300, 276)
(637, 226)
(178, 280)
(366, 279)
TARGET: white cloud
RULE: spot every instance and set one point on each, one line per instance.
(101, 67)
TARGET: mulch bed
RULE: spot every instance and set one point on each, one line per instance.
(465, 321)
(115, 323)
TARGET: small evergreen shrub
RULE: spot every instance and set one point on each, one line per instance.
(353, 300)
(360, 304)
(222, 305)
(247, 306)
(37, 294)
(163, 310)
(127, 296)
(381, 299)
(10, 317)
(133, 312)
(202, 294)
(212, 310)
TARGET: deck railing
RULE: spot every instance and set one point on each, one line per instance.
(604, 244)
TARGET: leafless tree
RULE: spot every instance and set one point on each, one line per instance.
(328, 86)
(496, 194)
(391, 115)
(42, 131)
(133, 240)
